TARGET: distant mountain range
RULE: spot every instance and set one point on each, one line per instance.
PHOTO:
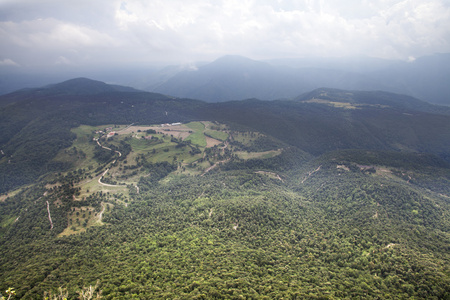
(236, 77)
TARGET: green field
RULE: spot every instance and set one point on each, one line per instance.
(260, 155)
(218, 135)
(197, 137)
(7, 221)
(143, 145)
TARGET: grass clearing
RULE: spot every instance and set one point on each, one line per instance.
(197, 137)
(7, 221)
(210, 142)
(196, 126)
(81, 218)
(92, 186)
(270, 174)
(246, 138)
(345, 105)
(218, 135)
(81, 153)
(13, 193)
(9, 194)
(143, 145)
(260, 155)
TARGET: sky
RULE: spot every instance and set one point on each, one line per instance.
(81, 33)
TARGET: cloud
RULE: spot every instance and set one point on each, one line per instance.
(45, 40)
(51, 33)
(63, 61)
(395, 29)
(147, 31)
(8, 62)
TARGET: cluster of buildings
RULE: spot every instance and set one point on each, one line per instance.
(106, 130)
(172, 124)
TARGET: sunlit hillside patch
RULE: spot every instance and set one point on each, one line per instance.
(9, 194)
(216, 131)
(245, 137)
(7, 220)
(92, 186)
(151, 144)
(218, 135)
(211, 142)
(260, 155)
(81, 218)
(177, 144)
(81, 154)
(345, 105)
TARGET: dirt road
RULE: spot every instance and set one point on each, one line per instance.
(310, 173)
(100, 215)
(214, 165)
(105, 184)
(49, 217)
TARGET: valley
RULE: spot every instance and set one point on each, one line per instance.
(144, 196)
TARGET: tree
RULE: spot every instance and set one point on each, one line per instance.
(89, 293)
(10, 292)
(62, 294)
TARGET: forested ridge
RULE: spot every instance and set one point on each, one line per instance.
(266, 200)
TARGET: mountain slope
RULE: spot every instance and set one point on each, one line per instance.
(318, 127)
(35, 124)
(235, 78)
(73, 87)
(228, 78)
(346, 98)
(329, 227)
(342, 120)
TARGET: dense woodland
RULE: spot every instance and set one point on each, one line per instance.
(297, 200)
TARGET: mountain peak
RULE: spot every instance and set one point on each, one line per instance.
(234, 58)
(80, 80)
(86, 86)
(80, 86)
(235, 62)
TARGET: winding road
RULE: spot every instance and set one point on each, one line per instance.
(106, 171)
(105, 184)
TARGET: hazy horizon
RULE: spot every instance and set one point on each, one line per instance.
(78, 35)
